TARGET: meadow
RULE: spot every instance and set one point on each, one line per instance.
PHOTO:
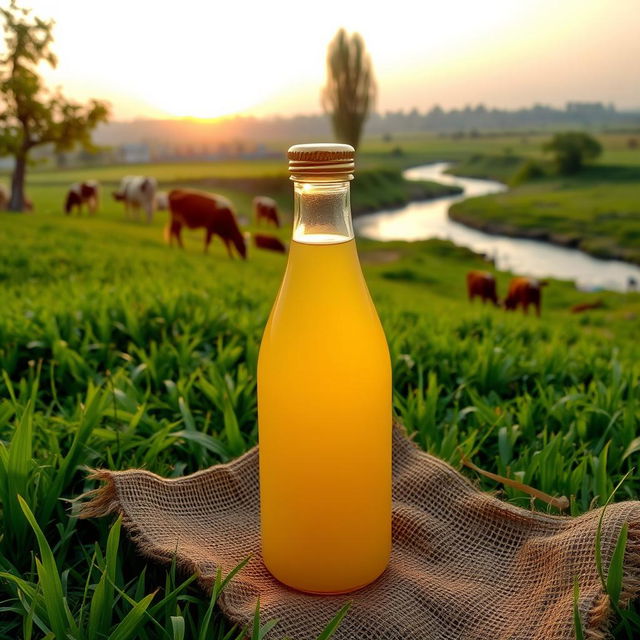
(117, 351)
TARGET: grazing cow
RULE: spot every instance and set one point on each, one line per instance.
(587, 306)
(270, 243)
(523, 292)
(137, 192)
(266, 209)
(483, 284)
(193, 209)
(81, 193)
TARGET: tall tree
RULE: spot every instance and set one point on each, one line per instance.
(350, 91)
(30, 114)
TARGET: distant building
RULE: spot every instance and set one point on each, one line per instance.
(135, 153)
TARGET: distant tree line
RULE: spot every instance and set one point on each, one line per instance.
(479, 119)
(467, 121)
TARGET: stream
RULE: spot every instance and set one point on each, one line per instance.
(539, 259)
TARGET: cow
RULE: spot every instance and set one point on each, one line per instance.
(587, 306)
(523, 292)
(483, 284)
(5, 198)
(266, 209)
(194, 209)
(270, 243)
(137, 192)
(81, 193)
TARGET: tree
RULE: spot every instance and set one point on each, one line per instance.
(572, 149)
(30, 114)
(351, 88)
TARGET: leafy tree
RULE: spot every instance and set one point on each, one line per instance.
(30, 114)
(572, 149)
(351, 88)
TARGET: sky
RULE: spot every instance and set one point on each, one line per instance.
(213, 58)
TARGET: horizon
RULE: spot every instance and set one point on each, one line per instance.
(421, 110)
(158, 64)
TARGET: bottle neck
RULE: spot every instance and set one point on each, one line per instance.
(322, 213)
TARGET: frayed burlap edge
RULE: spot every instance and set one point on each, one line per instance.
(104, 501)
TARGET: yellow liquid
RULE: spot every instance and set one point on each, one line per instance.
(324, 414)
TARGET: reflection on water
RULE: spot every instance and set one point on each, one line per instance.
(422, 220)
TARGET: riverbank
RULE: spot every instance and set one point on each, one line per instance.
(534, 257)
(373, 189)
(597, 211)
(377, 189)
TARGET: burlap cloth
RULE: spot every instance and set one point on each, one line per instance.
(464, 564)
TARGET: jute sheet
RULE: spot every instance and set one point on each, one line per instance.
(464, 564)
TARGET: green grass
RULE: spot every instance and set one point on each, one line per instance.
(117, 351)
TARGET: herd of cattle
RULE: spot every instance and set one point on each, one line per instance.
(216, 215)
(187, 208)
(522, 291)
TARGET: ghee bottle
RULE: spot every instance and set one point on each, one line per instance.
(324, 396)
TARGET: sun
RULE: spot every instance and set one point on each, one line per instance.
(193, 99)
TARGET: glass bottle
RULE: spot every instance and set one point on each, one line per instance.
(324, 396)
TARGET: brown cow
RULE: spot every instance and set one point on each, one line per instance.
(270, 243)
(266, 209)
(483, 284)
(195, 209)
(587, 306)
(523, 292)
(82, 193)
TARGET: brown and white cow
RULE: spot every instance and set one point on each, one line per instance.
(483, 285)
(269, 243)
(214, 213)
(137, 192)
(523, 292)
(265, 208)
(80, 194)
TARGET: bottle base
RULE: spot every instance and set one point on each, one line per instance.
(336, 592)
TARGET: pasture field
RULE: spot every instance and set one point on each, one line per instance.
(117, 351)
(377, 186)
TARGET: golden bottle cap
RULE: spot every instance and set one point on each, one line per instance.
(321, 162)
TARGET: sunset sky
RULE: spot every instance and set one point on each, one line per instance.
(214, 58)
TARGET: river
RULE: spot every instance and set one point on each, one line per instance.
(430, 219)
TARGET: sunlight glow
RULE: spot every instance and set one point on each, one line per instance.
(208, 60)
